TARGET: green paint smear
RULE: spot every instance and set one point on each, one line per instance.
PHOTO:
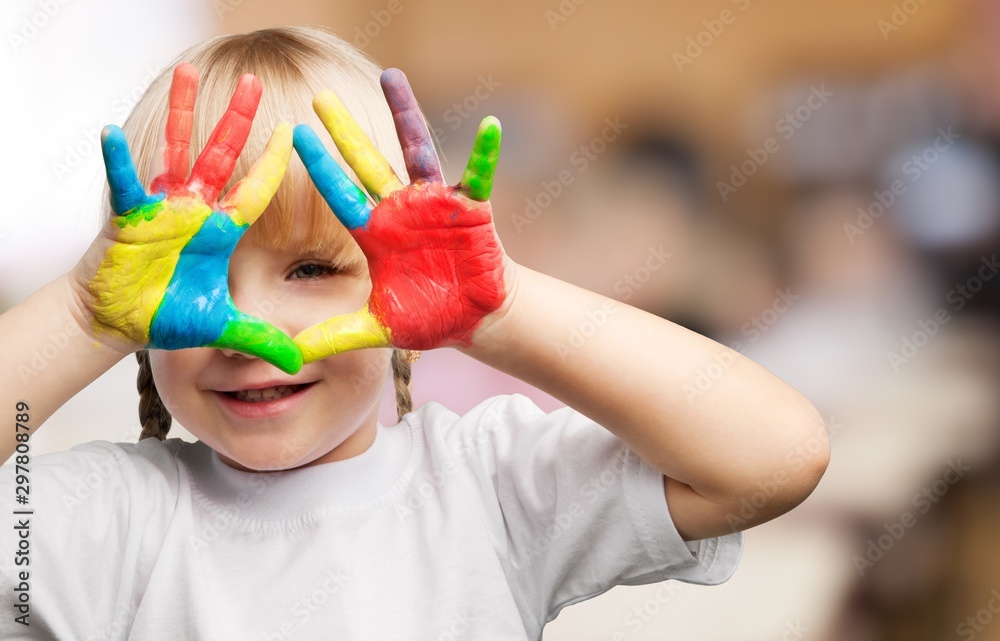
(263, 340)
(144, 212)
(478, 176)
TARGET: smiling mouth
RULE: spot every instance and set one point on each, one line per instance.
(266, 394)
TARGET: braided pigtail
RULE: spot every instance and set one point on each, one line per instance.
(153, 415)
(401, 369)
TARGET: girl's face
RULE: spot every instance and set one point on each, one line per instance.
(251, 413)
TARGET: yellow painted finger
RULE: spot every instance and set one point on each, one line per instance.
(342, 333)
(357, 149)
(248, 198)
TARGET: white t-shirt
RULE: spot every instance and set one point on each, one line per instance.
(480, 526)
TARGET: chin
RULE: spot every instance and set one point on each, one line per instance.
(263, 457)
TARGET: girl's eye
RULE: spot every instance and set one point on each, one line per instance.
(313, 270)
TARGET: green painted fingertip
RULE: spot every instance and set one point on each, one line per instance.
(289, 360)
(263, 341)
(478, 177)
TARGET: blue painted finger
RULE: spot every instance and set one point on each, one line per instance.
(127, 192)
(345, 198)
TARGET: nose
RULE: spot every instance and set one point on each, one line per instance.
(256, 305)
(254, 294)
(256, 287)
(234, 354)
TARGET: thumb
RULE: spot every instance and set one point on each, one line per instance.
(245, 333)
(343, 333)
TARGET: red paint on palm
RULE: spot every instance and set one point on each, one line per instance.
(436, 265)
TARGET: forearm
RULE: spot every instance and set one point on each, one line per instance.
(634, 373)
(50, 354)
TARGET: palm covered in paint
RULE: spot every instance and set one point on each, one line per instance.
(435, 262)
(163, 280)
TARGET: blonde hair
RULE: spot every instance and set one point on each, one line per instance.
(293, 64)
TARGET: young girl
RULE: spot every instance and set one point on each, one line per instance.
(295, 514)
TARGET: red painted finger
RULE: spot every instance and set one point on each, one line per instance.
(180, 119)
(411, 128)
(216, 163)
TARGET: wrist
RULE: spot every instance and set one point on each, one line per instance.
(492, 332)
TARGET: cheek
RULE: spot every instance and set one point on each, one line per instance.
(360, 373)
(174, 374)
(356, 291)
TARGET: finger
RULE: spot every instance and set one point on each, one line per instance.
(414, 137)
(346, 199)
(477, 181)
(249, 197)
(372, 169)
(180, 120)
(216, 162)
(250, 335)
(342, 333)
(126, 190)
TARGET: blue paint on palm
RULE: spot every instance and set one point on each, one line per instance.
(196, 306)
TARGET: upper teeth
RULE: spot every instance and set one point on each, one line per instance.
(262, 395)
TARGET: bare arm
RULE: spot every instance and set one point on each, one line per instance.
(634, 373)
(50, 354)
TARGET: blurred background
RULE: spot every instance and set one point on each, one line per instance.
(812, 183)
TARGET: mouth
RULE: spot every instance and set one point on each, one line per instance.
(266, 394)
(264, 402)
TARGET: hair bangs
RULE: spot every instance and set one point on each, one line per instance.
(299, 220)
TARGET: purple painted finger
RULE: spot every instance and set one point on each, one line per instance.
(411, 128)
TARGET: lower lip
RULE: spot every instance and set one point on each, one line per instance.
(262, 409)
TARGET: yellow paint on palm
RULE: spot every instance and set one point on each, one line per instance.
(133, 277)
(342, 333)
(373, 170)
(249, 197)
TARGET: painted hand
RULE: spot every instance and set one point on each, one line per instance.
(163, 281)
(435, 261)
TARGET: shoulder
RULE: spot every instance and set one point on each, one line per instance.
(493, 421)
(150, 454)
(101, 490)
(511, 431)
(149, 467)
(510, 411)
(517, 416)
